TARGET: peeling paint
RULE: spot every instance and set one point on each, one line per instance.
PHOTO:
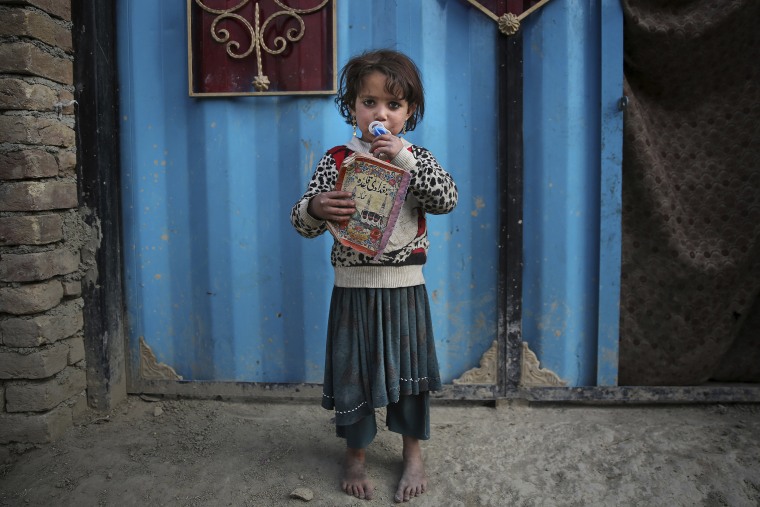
(309, 165)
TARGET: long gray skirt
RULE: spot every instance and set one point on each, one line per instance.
(380, 345)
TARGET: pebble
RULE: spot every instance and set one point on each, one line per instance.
(157, 411)
(304, 494)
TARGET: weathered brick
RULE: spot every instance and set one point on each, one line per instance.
(58, 8)
(35, 428)
(38, 195)
(29, 23)
(30, 230)
(5, 455)
(76, 349)
(36, 131)
(67, 161)
(65, 103)
(37, 363)
(33, 267)
(72, 288)
(32, 332)
(30, 298)
(26, 58)
(42, 395)
(18, 94)
(25, 164)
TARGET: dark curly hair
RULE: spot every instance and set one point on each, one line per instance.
(402, 80)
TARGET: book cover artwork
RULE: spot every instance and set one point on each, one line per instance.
(379, 190)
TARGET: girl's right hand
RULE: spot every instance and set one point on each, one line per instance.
(386, 147)
(336, 206)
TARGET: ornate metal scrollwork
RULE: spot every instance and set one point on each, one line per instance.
(256, 31)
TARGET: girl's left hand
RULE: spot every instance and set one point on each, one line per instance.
(386, 147)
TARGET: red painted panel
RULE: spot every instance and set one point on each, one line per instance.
(500, 7)
(305, 65)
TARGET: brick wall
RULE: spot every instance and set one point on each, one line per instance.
(42, 370)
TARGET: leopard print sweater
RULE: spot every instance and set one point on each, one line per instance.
(431, 190)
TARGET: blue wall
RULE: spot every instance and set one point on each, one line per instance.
(222, 288)
(573, 159)
(218, 283)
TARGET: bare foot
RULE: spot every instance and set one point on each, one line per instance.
(414, 480)
(355, 481)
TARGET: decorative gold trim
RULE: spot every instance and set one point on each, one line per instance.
(482, 9)
(527, 13)
(509, 23)
(531, 373)
(151, 369)
(256, 31)
(485, 373)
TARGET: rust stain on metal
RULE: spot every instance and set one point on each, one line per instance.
(151, 369)
(479, 204)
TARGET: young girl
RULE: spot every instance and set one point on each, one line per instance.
(380, 346)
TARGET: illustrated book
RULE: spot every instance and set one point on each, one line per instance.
(379, 190)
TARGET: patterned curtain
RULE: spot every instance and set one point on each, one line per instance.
(690, 310)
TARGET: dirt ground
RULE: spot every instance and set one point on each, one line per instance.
(218, 453)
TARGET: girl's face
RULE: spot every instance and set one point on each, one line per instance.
(374, 103)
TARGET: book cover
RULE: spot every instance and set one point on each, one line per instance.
(379, 190)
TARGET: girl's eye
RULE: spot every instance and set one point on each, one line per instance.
(368, 102)
(394, 105)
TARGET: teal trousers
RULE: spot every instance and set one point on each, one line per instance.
(410, 416)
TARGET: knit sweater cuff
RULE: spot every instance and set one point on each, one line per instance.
(405, 160)
(306, 218)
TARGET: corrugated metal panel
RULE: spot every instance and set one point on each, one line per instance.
(611, 199)
(573, 148)
(218, 283)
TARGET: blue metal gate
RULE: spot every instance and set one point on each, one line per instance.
(219, 287)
